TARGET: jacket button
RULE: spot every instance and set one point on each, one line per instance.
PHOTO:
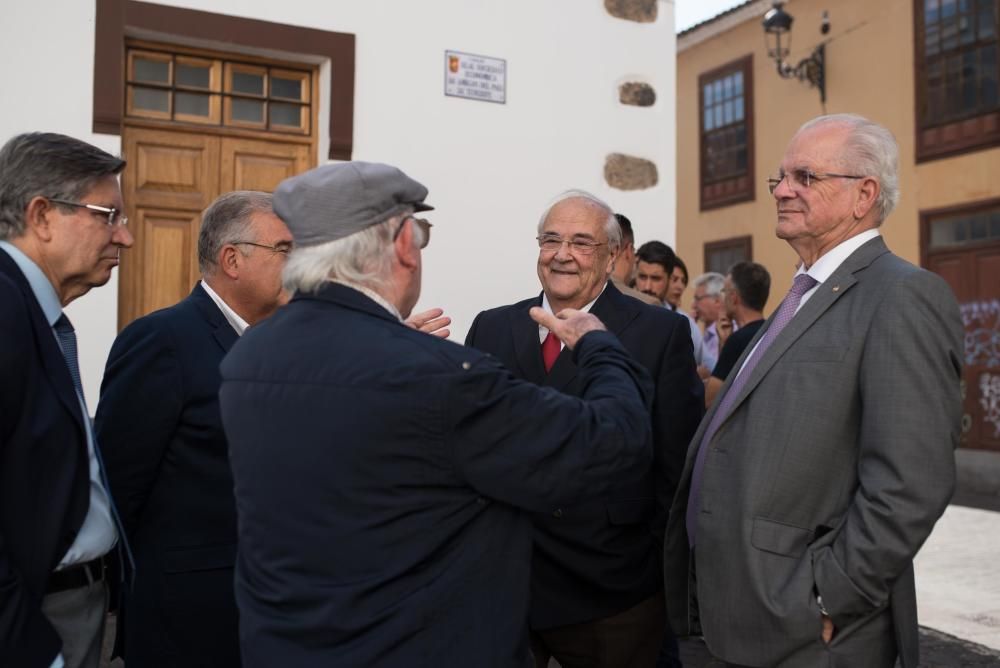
(481, 501)
(557, 513)
(466, 366)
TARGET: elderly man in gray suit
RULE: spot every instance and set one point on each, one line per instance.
(827, 458)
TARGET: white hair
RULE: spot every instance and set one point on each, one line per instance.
(363, 258)
(713, 282)
(871, 151)
(611, 227)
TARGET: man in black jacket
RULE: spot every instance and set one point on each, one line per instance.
(382, 475)
(597, 591)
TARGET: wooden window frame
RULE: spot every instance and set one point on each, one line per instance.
(289, 74)
(741, 188)
(745, 242)
(117, 18)
(231, 69)
(929, 216)
(213, 91)
(974, 133)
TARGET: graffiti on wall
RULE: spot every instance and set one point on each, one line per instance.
(982, 333)
(982, 349)
(989, 399)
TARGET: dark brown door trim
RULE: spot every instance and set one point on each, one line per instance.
(116, 17)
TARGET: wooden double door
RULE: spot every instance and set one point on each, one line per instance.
(974, 274)
(170, 178)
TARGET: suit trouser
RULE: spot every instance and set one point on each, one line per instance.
(78, 617)
(630, 639)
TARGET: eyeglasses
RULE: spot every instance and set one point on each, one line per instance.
(284, 250)
(424, 224)
(802, 179)
(115, 217)
(550, 243)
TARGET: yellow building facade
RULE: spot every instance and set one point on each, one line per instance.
(927, 70)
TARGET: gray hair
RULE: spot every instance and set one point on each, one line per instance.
(227, 220)
(48, 165)
(713, 282)
(871, 151)
(363, 258)
(611, 227)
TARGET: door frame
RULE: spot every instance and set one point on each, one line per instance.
(118, 19)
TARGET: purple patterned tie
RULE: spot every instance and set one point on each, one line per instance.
(802, 284)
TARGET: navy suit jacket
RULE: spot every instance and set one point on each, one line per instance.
(166, 457)
(597, 559)
(44, 470)
(380, 479)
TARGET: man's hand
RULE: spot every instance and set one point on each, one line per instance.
(432, 321)
(569, 325)
(827, 629)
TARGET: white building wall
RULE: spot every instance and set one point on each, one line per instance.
(491, 169)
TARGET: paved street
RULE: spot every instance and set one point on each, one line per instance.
(958, 593)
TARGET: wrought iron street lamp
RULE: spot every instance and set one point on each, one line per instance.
(778, 37)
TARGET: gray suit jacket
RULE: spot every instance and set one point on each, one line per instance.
(828, 475)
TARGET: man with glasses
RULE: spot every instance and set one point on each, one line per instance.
(744, 295)
(61, 232)
(382, 476)
(161, 433)
(597, 592)
(826, 460)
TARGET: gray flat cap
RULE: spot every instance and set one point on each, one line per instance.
(335, 201)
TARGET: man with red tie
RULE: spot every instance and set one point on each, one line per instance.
(597, 598)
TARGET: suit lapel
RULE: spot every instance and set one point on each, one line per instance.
(527, 347)
(52, 358)
(222, 330)
(826, 295)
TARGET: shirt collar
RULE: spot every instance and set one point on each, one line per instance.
(372, 295)
(543, 331)
(238, 323)
(44, 291)
(824, 267)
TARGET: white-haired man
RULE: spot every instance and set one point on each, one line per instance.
(827, 459)
(382, 475)
(597, 597)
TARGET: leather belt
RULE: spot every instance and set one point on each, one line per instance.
(76, 576)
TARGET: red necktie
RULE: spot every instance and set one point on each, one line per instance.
(550, 350)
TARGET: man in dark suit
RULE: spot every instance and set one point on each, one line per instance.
(161, 433)
(381, 474)
(823, 466)
(61, 230)
(597, 590)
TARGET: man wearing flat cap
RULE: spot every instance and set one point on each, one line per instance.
(384, 477)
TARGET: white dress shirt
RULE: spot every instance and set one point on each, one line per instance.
(824, 267)
(234, 319)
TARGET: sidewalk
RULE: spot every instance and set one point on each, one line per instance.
(958, 576)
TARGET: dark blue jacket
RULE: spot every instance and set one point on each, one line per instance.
(44, 470)
(166, 456)
(382, 476)
(597, 559)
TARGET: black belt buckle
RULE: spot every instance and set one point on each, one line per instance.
(76, 576)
